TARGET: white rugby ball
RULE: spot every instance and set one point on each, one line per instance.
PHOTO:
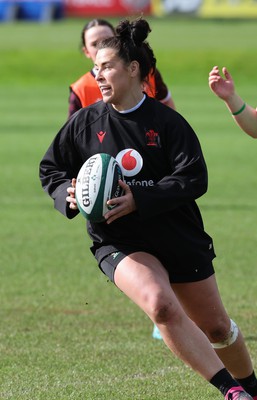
(97, 182)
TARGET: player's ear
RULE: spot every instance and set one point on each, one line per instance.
(85, 51)
(134, 68)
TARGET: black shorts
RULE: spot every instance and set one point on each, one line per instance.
(189, 273)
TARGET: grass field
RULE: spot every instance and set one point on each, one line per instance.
(66, 332)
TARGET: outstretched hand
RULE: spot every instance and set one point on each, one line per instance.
(222, 87)
(124, 204)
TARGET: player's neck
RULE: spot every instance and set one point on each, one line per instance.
(131, 105)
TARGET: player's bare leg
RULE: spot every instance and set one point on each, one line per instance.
(144, 280)
(214, 321)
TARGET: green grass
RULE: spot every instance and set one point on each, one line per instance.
(66, 332)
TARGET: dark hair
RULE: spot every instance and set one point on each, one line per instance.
(130, 44)
(91, 24)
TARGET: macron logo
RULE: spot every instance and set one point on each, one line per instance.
(101, 136)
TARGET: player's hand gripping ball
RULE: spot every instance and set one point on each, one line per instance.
(97, 182)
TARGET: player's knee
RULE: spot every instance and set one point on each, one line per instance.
(162, 311)
(223, 337)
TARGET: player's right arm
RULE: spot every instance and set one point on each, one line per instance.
(58, 167)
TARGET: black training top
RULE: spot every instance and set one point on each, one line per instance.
(161, 160)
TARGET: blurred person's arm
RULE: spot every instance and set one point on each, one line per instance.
(74, 104)
(244, 115)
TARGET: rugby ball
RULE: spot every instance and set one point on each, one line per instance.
(97, 182)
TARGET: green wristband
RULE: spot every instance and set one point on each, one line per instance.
(241, 110)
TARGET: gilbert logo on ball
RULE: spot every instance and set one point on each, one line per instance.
(97, 182)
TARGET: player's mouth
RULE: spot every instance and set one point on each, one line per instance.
(105, 90)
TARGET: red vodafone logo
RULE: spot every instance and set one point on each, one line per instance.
(130, 162)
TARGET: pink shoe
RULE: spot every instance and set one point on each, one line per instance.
(237, 393)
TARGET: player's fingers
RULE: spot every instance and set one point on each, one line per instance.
(226, 73)
(116, 201)
(73, 206)
(72, 200)
(116, 205)
(123, 185)
(125, 202)
(70, 190)
(213, 80)
(214, 71)
(110, 217)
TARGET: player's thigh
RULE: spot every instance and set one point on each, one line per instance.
(144, 280)
(202, 303)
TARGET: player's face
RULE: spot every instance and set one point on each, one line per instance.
(115, 79)
(94, 35)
